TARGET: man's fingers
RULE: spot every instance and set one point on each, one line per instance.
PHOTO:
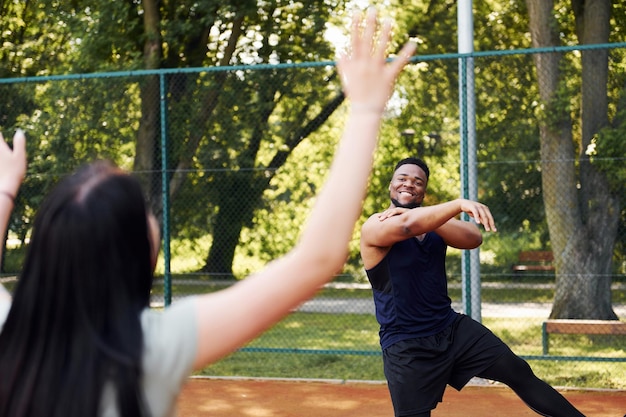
(482, 215)
(486, 219)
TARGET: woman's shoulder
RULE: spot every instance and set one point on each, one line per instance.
(170, 345)
(179, 319)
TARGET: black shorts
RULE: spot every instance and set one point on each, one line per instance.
(418, 370)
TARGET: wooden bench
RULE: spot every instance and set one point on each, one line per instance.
(534, 260)
(572, 326)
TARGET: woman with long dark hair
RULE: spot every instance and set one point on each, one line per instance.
(79, 338)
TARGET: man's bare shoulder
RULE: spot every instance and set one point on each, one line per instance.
(371, 220)
(372, 249)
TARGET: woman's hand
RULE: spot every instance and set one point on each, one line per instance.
(367, 78)
(12, 164)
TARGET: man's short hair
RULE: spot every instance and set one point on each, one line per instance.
(413, 161)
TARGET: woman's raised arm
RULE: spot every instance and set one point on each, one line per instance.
(12, 171)
(229, 318)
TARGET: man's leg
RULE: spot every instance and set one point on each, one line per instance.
(417, 371)
(538, 395)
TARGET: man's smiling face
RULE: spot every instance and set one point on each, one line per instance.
(408, 186)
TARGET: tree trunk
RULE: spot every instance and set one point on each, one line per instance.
(582, 223)
(210, 103)
(235, 212)
(146, 150)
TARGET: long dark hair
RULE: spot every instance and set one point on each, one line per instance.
(74, 324)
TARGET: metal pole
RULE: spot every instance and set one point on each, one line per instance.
(165, 191)
(469, 189)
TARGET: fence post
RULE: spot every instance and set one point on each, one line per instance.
(467, 114)
(165, 191)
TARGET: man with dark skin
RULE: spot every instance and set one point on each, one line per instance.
(426, 344)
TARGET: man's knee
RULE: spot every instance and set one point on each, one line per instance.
(508, 369)
(520, 366)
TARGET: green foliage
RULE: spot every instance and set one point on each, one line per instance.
(13, 259)
(506, 129)
(505, 247)
(257, 125)
(109, 36)
(260, 116)
(37, 37)
(608, 148)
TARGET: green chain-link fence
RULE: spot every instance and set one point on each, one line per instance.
(231, 159)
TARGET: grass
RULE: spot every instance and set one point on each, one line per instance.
(353, 353)
(490, 295)
(347, 332)
(357, 336)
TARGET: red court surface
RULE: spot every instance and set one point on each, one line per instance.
(293, 398)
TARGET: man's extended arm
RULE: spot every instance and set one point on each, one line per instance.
(460, 234)
(398, 224)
